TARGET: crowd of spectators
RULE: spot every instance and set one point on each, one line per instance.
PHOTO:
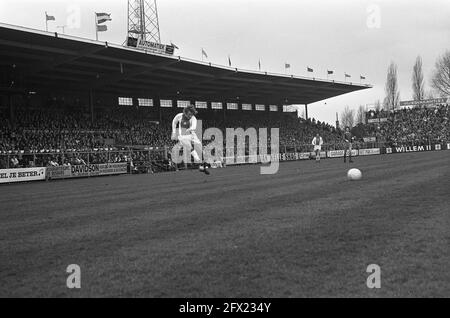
(39, 131)
(419, 125)
(65, 136)
(294, 132)
(412, 126)
(50, 130)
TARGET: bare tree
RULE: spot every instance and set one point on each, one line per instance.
(392, 99)
(361, 115)
(378, 106)
(430, 95)
(441, 75)
(348, 117)
(418, 83)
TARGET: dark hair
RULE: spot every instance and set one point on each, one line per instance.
(191, 109)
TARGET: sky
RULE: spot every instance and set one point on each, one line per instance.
(357, 37)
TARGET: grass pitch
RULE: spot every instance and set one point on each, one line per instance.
(305, 231)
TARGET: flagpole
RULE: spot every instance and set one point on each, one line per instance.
(96, 29)
(46, 22)
(202, 54)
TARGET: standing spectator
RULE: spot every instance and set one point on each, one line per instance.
(14, 162)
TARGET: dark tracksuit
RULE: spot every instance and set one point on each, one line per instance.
(348, 137)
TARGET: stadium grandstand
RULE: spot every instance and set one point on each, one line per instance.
(71, 100)
(415, 126)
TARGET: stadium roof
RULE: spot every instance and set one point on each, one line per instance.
(45, 59)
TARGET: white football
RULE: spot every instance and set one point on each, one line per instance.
(354, 174)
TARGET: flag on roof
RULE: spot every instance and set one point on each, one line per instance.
(103, 17)
(102, 28)
(204, 53)
(49, 17)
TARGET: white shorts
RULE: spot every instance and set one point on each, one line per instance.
(317, 148)
(187, 140)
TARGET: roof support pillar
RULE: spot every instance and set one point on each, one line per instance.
(12, 113)
(224, 110)
(91, 104)
(306, 112)
(157, 105)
